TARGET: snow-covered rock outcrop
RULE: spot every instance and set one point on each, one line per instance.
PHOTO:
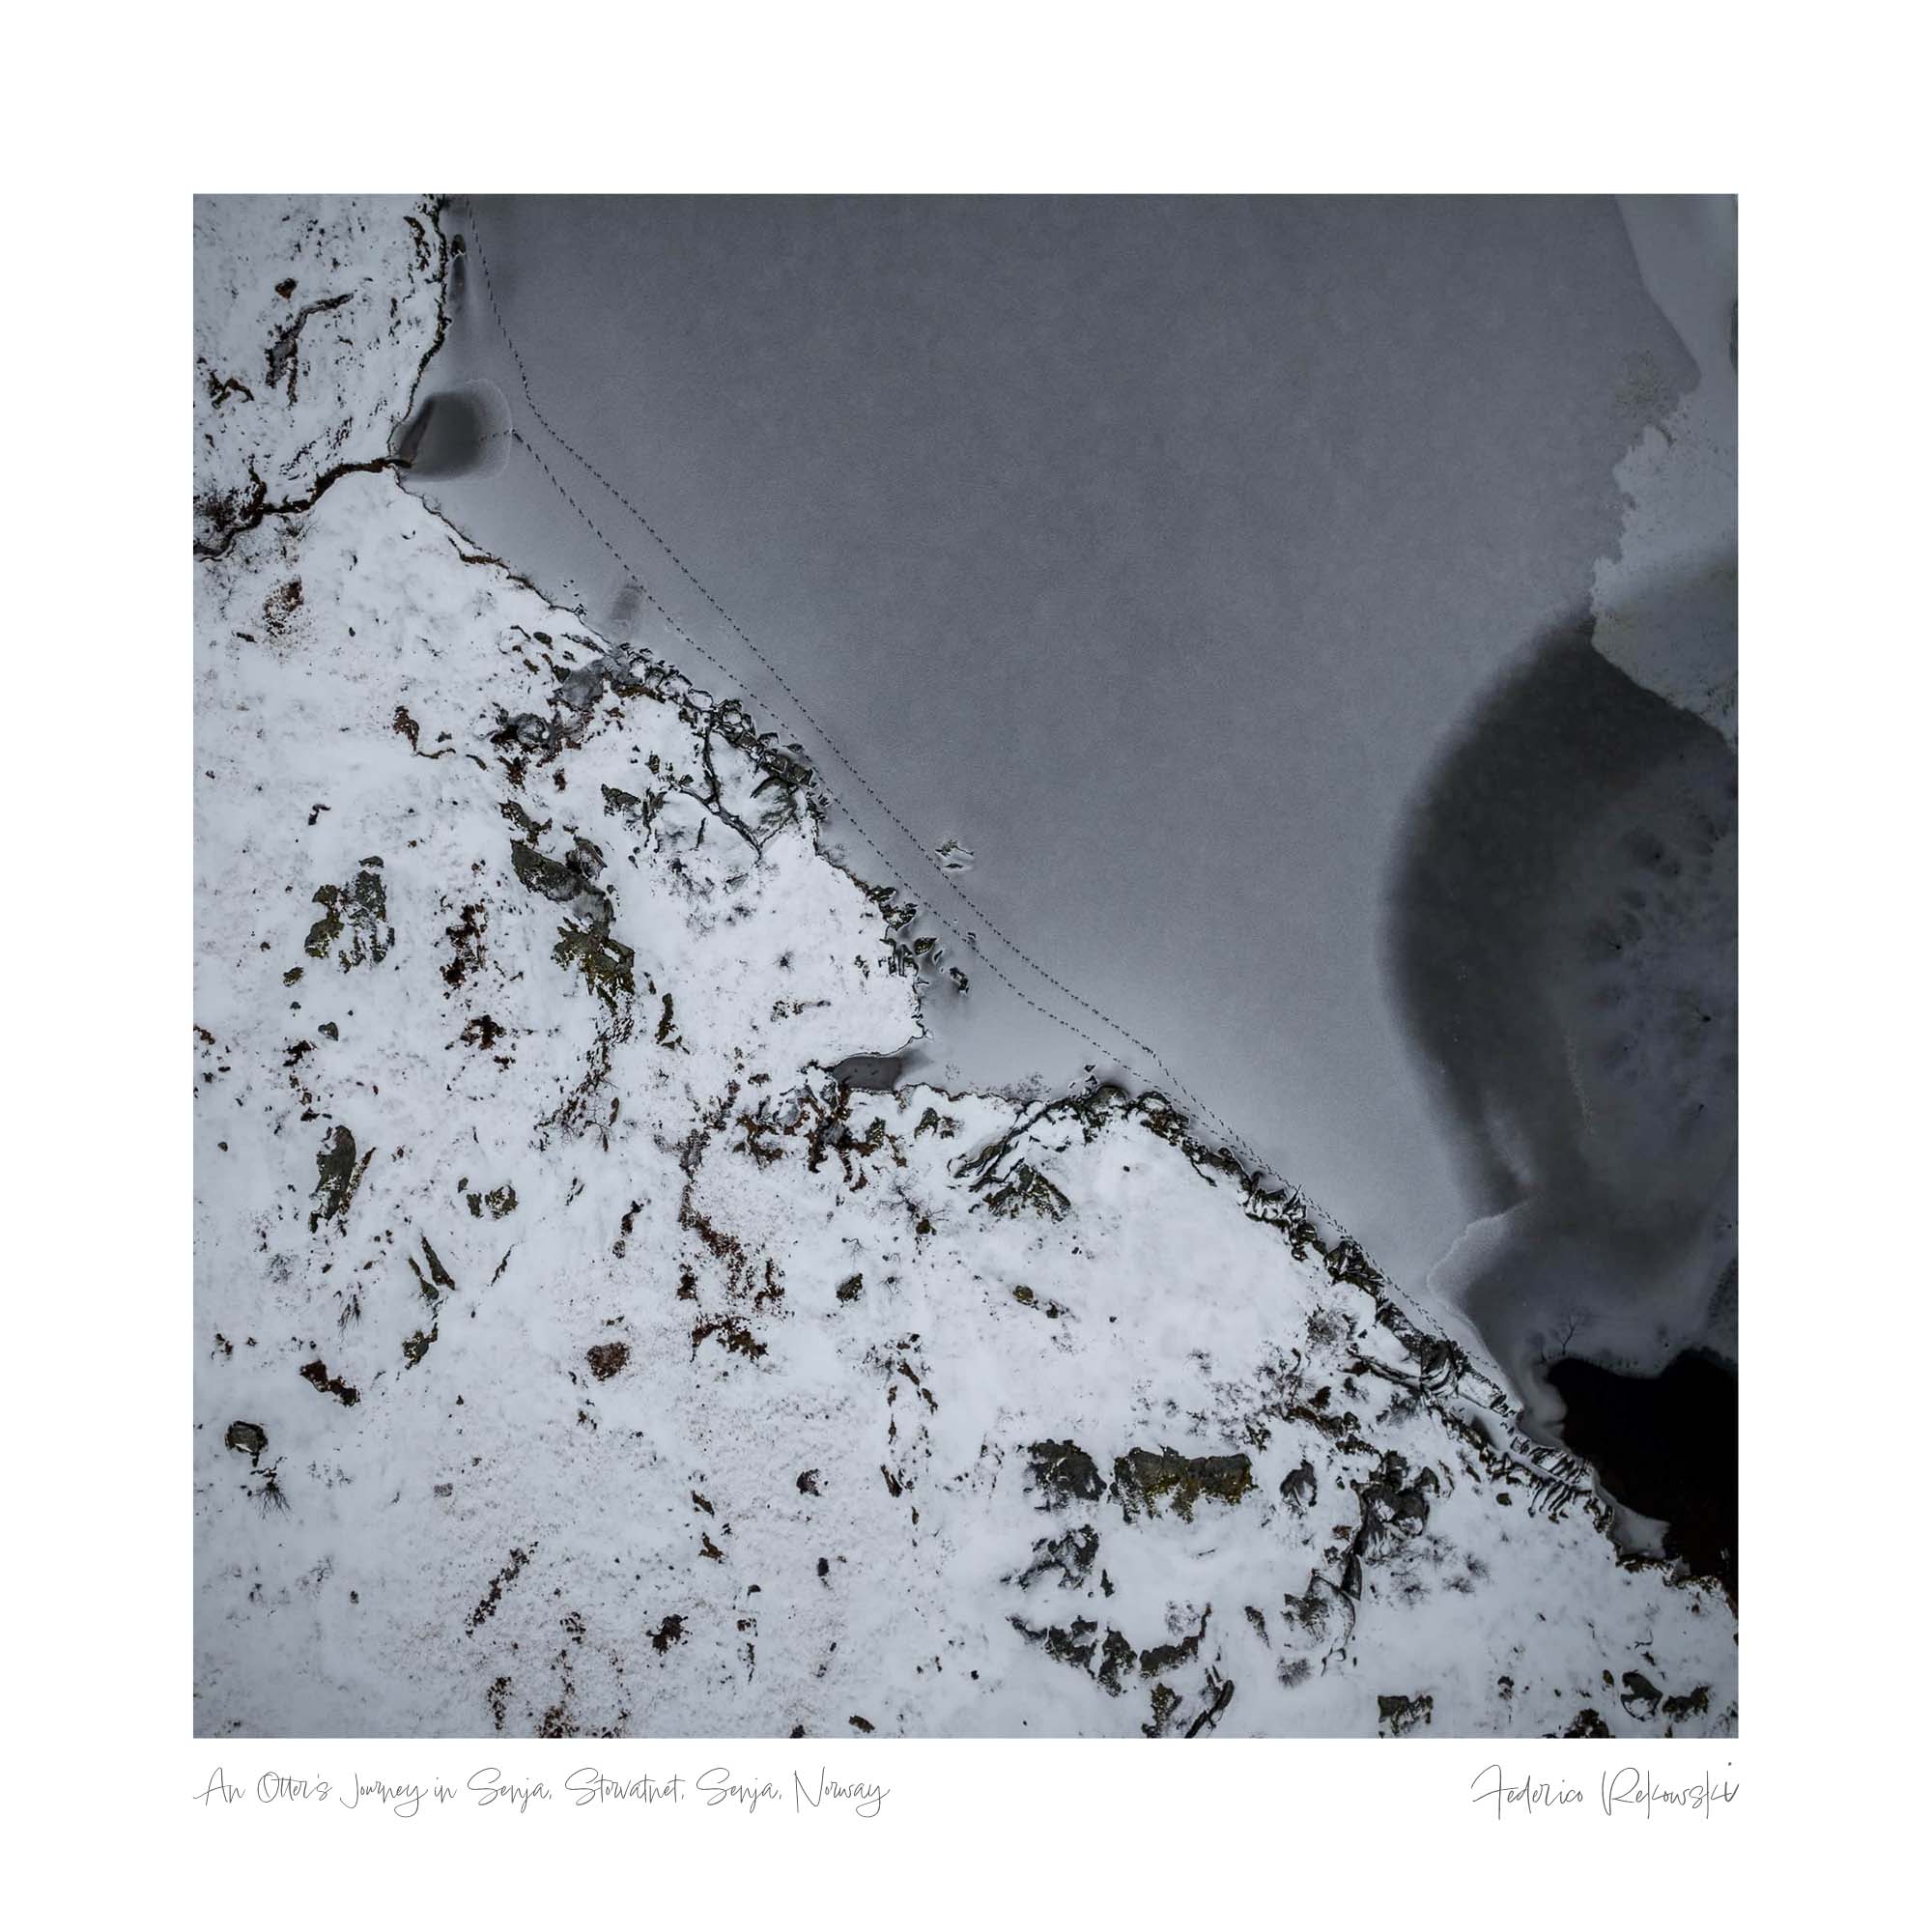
(577, 1354)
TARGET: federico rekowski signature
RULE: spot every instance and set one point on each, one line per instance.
(1628, 1789)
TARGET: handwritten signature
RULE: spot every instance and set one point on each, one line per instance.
(1628, 1789)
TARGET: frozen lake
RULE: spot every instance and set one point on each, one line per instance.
(1156, 553)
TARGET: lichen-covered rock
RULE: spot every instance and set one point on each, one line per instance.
(1158, 1480)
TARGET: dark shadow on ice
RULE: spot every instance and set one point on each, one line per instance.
(1561, 945)
(458, 432)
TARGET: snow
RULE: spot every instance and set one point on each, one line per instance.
(285, 387)
(692, 1392)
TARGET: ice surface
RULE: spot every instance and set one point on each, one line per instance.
(1665, 602)
(1151, 549)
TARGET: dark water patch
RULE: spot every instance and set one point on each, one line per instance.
(1666, 1446)
(463, 431)
(870, 1072)
(1561, 944)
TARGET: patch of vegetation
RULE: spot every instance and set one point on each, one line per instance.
(1397, 1717)
(498, 1583)
(360, 909)
(731, 1334)
(483, 1032)
(607, 1358)
(1116, 1655)
(1027, 1298)
(1587, 1723)
(584, 942)
(1153, 1480)
(758, 1140)
(607, 964)
(1692, 1704)
(1164, 1701)
(271, 1494)
(467, 938)
(316, 1375)
(279, 607)
(1163, 1657)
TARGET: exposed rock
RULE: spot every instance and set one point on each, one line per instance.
(1154, 1480)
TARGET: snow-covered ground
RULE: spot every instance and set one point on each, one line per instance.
(576, 1353)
